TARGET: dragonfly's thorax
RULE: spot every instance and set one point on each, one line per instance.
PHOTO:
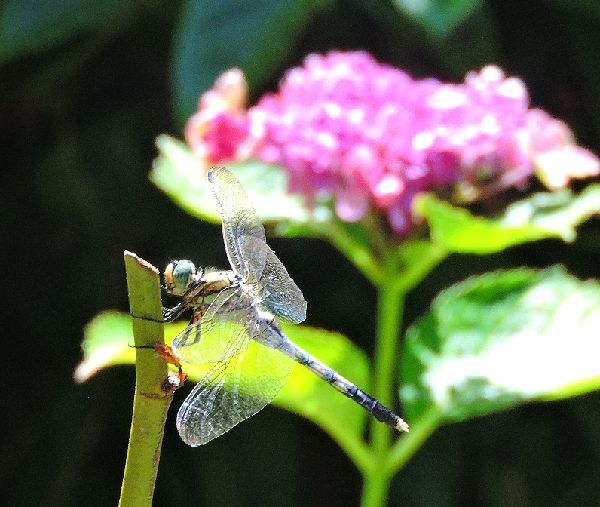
(211, 282)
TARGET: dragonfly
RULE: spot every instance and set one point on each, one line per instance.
(235, 329)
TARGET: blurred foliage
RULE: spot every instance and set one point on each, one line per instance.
(461, 365)
(176, 173)
(539, 216)
(440, 17)
(214, 35)
(85, 88)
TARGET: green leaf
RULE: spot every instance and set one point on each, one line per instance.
(182, 176)
(542, 215)
(108, 337)
(106, 342)
(558, 212)
(440, 17)
(28, 26)
(501, 339)
(215, 35)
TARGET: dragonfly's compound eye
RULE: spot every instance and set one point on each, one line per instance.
(178, 276)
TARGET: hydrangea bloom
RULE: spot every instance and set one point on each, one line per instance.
(373, 137)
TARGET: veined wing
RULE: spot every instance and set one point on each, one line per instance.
(209, 340)
(248, 251)
(239, 221)
(232, 390)
(276, 288)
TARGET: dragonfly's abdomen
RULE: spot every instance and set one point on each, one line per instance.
(344, 386)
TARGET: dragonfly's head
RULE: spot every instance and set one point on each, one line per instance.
(179, 275)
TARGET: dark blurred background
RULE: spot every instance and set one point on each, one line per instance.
(86, 86)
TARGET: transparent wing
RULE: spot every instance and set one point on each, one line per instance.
(233, 390)
(209, 340)
(239, 221)
(276, 288)
(209, 343)
(229, 302)
(248, 251)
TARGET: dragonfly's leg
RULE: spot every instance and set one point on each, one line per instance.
(170, 314)
(170, 357)
(196, 316)
(191, 334)
(198, 312)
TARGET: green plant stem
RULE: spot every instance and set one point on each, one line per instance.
(150, 403)
(355, 251)
(390, 304)
(389, 323)
(417, 259)
(375, 488)
(378, 237)
(401, 272)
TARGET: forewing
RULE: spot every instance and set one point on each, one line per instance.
(233, 390)
(239, 220)
(275, 286)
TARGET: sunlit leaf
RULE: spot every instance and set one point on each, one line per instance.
(438, 16)
(108, 338)
(108, 341)
(501, 339)
(560, 212)
(182, 176)
(542, 215)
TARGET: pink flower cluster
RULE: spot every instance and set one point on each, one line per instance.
(373, 137)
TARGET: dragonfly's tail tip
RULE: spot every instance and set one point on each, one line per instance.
(401, 425)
